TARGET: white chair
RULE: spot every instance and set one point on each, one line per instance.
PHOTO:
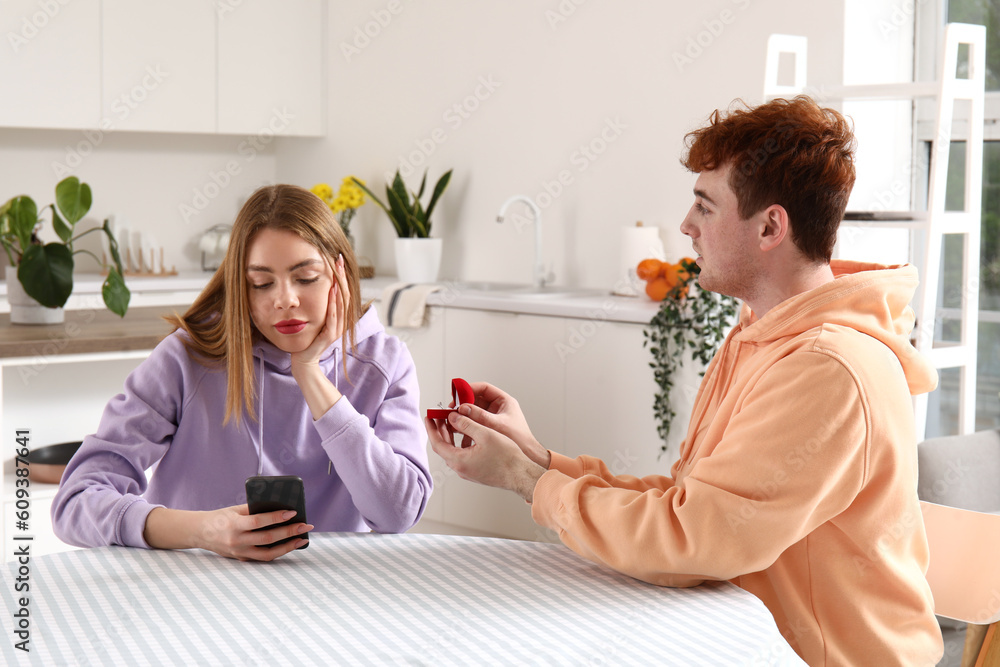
(964, 575)
(960, 471)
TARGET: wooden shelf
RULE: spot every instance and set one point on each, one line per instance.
(86, 332)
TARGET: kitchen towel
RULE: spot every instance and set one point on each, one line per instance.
(404, 304)
(637, 243)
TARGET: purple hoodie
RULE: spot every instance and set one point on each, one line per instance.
(364, 463)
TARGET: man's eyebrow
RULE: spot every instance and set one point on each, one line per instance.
(704, 195)
(296, 267)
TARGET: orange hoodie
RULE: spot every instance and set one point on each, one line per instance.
(797, 480)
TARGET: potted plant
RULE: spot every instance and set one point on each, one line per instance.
(691, 321)
(44, 271)
(418, 257)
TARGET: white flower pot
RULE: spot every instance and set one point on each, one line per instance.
(418, 260)
(24, 309)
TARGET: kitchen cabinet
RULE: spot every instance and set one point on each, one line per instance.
(50, 66)
(426, 346)
(271, 68)
(253, 67)
(158, 65)
(517, 353)
(55, 382)
(609, 397)
(584, 385)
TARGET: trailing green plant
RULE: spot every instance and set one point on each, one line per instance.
(45, 270)
(409, 217)
(691, 321)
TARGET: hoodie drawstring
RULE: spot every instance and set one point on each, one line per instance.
(336, 374)
(260, 421)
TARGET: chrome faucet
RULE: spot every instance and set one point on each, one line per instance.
(539, 271)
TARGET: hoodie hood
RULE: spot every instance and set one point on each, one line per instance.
(281, 361)
(873, 299)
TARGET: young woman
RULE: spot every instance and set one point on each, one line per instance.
(276, 369)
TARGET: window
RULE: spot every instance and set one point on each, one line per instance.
(981, 12)
(943, 407)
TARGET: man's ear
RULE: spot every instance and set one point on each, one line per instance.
(774, 227)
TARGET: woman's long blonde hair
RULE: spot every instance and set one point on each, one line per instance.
(220, 330)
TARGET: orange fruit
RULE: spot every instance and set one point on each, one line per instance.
(672, 274)
(649, 269)
(657, 289)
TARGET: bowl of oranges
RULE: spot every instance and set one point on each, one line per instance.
(664, 279)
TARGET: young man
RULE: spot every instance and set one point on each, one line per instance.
(797, 478)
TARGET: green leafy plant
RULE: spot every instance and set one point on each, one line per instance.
(409, 217)
(45, 270)
(691, 321)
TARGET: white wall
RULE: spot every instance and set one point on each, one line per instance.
(561, 74)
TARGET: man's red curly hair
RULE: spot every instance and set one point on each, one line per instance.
(788, 152)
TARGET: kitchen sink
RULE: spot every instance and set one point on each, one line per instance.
(521, 291)
(487, 286)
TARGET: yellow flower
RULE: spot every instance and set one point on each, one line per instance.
(355, 199)
(339, 204)
(352, 193)
(323, 191)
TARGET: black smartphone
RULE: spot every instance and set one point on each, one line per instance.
(270, 493)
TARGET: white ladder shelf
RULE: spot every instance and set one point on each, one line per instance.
(934, 222)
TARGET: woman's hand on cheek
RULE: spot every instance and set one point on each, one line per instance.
(333, 326)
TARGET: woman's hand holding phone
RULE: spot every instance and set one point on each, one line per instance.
(231, 531)
(235, 533)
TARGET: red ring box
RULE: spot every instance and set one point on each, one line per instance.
(461, 392)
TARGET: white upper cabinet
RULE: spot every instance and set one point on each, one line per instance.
(50, 64)
(271, 67)
(159, 65)
(200, 66)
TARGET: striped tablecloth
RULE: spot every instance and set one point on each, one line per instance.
(366, 599)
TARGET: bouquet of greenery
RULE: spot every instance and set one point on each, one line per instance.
(690, 320)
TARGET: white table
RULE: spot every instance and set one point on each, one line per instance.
(367, 599)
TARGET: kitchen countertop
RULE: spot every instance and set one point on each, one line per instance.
(579, 303)
(90, 283)
(85, 332)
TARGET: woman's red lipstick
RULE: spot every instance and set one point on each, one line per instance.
(290, 326)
